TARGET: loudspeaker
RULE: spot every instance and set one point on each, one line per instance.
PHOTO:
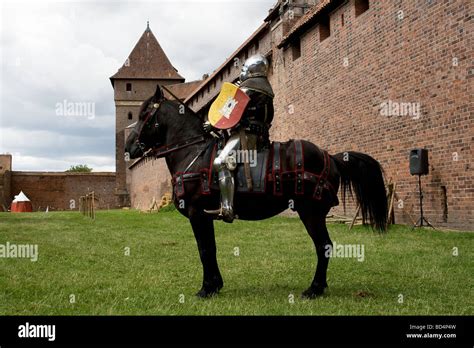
(419, 162)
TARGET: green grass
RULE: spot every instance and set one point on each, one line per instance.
(86, 258)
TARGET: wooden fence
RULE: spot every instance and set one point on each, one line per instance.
(87, 205)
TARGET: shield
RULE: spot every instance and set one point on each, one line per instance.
(229, 107)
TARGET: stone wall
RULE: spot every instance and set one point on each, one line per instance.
(61, 191)
(332, 91)
(404, 52)
(5, 181)
(149, 179)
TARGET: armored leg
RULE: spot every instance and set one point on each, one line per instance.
(224, 164)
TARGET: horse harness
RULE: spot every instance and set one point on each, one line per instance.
(161, 151)
(299, 175)
(273, 174)
(288, 180)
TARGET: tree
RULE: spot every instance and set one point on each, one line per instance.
(80, 168)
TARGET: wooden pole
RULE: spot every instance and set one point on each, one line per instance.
(390, 207)
(89, 206)
(355, 217)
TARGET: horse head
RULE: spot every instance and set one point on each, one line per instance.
(161, 121)
(148, 131)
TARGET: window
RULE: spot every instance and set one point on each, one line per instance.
(296, 49)
(324, 28)
(342, 20)
(130, 116)
(129, 87)
(257, 45)
(361, 6)
(270, 64)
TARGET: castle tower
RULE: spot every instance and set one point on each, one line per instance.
(5, 181)
(145, 68)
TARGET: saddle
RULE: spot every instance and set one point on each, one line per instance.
(270, 171)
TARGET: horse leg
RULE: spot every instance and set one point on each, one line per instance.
(316, 227)
(203, 228)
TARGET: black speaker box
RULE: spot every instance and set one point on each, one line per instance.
(419, 162)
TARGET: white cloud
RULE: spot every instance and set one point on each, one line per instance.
(56, 51)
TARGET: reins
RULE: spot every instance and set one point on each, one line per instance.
(167, 149)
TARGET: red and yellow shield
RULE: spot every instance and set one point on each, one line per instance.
(229, 107)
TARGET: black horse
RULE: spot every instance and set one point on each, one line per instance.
(166, 128)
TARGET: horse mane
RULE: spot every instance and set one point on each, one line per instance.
(144, 106)
(192, 117)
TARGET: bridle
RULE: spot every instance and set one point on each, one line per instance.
(160, 150)
(151, 114)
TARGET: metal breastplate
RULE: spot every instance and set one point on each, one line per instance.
(260, 107)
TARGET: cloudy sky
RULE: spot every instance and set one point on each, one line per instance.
(64, 52)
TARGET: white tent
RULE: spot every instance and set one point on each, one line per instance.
(21, 204)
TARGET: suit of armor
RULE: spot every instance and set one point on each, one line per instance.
(254, 125)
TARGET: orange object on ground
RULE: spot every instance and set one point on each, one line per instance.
(21, 204)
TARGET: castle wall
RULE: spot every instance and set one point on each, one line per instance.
(333, 95)
(149, 179)
(342, 93)
(5, 181)
(61, 191)
(336, 94)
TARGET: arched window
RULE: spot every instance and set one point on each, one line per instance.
(130, 116)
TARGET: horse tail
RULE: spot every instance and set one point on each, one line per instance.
(363, 175)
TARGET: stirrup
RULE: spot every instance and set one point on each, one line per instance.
(219, 215)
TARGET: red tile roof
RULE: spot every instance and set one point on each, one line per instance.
(183, 90)
(147, 61)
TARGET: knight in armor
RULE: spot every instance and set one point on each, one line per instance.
(254, 126)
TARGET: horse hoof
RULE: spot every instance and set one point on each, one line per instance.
(203, 293)
(312, 293)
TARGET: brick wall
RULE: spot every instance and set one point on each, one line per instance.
(149, 179)
(56, 190)
(417, 52)
(5, 181)
(230, 70)
(413, 52)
